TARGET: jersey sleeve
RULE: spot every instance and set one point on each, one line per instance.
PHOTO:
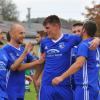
(3, 61)
(42, 46)
(76, 39)
(31, 57)
(83, 50)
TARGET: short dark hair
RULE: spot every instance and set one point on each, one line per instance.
(90, 27)
(52, 19)
(78, 24)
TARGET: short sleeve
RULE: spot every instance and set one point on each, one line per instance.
(75, 39)
(3, 60)
(42, 47)
(31, 57)
(83, 50)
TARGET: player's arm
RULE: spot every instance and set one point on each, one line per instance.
(35, 63)
(73, 69)
(95, 43)
(17, 63)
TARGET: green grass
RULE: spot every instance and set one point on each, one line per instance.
(32, 94)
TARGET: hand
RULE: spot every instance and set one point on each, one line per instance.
(29, 78)
(94, 43)
(57, 80)
(28, 47)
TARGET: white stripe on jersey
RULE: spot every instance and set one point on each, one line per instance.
(85, 82)
(7, 77)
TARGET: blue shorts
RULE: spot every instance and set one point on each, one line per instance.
(49, 92)
(2, 98)
(14, 98)
(99, 96)
(85, 93)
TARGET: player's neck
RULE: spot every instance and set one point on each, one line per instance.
(14, 44)
(57, 36)
(85, 37)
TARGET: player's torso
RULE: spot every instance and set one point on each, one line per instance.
(88, 74)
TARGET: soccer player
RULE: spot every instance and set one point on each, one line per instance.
(77, 28)
(16, 78)
(3, 71)
(57, 49)
(85, 66)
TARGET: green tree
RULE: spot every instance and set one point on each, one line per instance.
(9, 10)
(93, 13)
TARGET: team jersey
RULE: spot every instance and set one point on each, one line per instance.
(3, 73)
(57, 56)
(15, 79)
(88, 74)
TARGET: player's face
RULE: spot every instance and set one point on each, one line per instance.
(1, 35)
(19, 35)
(38, 38)
(77, 30)
(51, 30)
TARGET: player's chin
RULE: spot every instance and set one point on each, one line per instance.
(20, 42)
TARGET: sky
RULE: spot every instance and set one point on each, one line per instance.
(67, 9)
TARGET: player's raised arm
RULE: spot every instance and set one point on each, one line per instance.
(17, 63)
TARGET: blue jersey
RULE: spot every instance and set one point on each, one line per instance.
(3, 73)
(88, 74)
(57, 59)
(15, 79)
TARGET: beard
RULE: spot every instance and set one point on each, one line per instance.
(19, 42)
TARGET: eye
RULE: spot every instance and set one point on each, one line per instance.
(74, 31)
(22, 32)
(47, 27)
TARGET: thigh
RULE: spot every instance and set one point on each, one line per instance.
(2, 98)
(46, 93)
(85, 94)
(63, 93)
(20, 98)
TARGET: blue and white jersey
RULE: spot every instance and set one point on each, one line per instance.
(57, 59)
(73, 54)
(15, 79)
(99, 67)
(3, 73)
(88, 74)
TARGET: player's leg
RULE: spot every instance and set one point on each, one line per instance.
(2, 98)
(20, 98)
(85, 93)
(46, 93)
(63, 93)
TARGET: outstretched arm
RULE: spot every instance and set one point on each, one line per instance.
(30, 65)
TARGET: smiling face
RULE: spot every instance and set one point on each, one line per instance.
(51, 30)
(1, 35)
(77, 30)
(18, 34)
